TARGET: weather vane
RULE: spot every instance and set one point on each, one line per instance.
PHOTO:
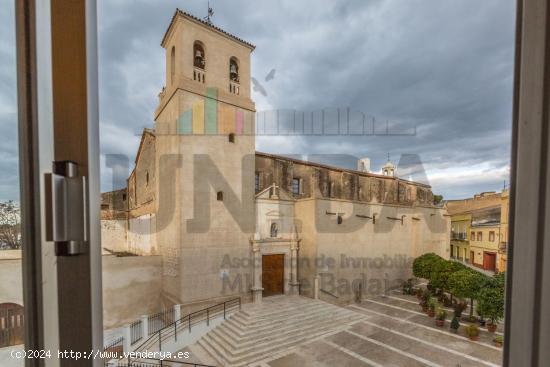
(210, 14)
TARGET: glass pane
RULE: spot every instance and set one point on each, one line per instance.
(340, 191)
(11, 286)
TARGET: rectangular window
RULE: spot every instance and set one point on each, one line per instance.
(472, 236)
(492, 236)
(296, 186)
(479, 236)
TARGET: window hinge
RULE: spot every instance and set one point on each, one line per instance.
(66, 209)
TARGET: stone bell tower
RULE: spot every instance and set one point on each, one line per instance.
(204, 124)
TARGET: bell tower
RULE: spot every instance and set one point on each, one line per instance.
(205, 155)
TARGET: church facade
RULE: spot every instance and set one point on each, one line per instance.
(229, 221)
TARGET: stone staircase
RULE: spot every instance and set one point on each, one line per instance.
(281, 322)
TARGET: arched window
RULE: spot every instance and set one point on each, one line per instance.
(199, 57)
(172, 64)
(234, 69)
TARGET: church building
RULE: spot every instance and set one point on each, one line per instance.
(230, 221)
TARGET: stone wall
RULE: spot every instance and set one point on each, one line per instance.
(322, 181)
(356, 251)
(131, 288)
(113, 234)
(11, 277)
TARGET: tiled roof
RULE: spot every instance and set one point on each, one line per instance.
(180, 12)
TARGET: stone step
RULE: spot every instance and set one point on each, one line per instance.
(254, 340)
(268, 310)
(266, 349)
(242, 322)
(258, 331)
(243, 333)
(249, 320)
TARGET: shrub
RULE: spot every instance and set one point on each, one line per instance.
(472, 330)
(441, 314)
(432, 303)
(408, 286)
(455, 323)
(498, 339)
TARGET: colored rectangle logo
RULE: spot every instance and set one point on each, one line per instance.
(184, 123)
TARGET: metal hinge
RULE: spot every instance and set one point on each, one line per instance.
(66, 209)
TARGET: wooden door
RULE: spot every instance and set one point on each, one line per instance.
(273, 274)
(489, 261)
(472, 257)
(11, 324)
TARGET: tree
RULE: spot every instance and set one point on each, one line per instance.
(424, 264)
(466, 283)
(438, 199)
(10, 226)
(491, 303)
(441, 271)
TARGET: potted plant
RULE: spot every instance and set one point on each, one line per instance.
(419, 293)
(472, 331)
(455, 324)
(432, 304)
(498, 340)
(440, 317)
(408, 286)
(424, 301)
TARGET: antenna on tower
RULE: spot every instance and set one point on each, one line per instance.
(209, 14)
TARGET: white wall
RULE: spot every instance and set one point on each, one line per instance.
(113, 234)
(141, 235)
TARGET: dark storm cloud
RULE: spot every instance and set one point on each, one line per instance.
(445, 67)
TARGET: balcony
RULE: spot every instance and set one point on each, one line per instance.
(503, 246)
(199, 75)
(459, 236)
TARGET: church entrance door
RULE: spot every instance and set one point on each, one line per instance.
(273, 274)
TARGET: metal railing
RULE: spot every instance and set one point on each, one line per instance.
(136, 332)
(187, 322)
(461, 236)
(113, 350)
(329, 293)
(159, 320)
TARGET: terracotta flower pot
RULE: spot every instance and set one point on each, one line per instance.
(474, 338)
(439, 323)
(498, 344)
(431, 313)
(492, 327)
(424, 308)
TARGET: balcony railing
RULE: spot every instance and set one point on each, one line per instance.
(199, 75)
(234, 87)
(460, 236)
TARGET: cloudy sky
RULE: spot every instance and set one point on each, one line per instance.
(444, 67)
